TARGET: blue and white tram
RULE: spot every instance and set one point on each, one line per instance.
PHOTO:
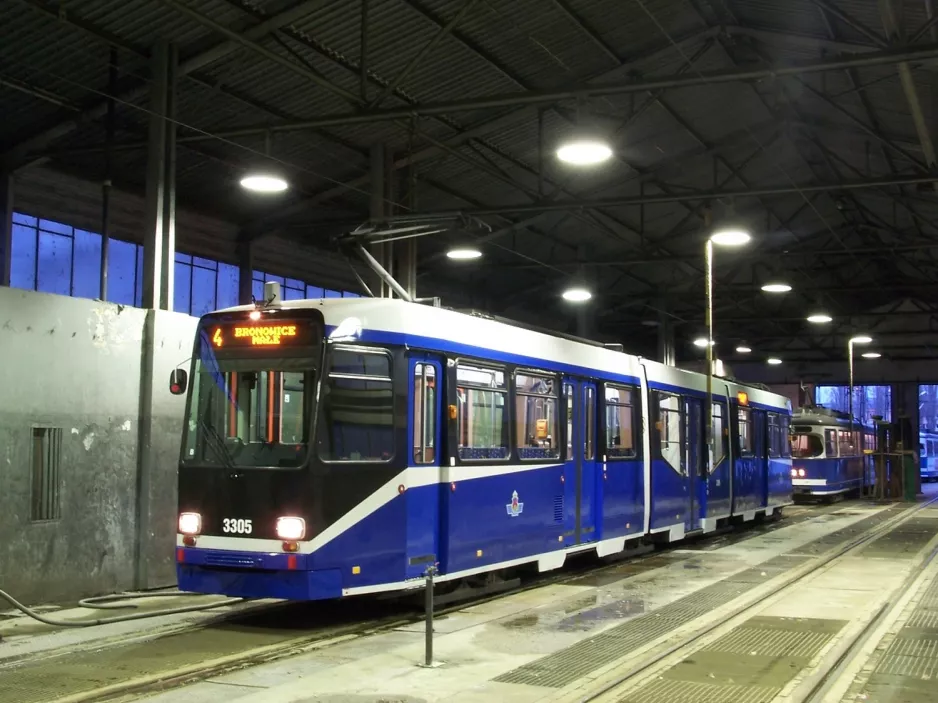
(829, 453)
(339, 447)
(928, 454)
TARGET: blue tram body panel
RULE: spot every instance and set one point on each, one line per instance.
(670, 496)
(623, 496)
(513, 504)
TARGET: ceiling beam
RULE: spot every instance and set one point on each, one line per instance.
(692, 196)
(597, 90)
(14, 158)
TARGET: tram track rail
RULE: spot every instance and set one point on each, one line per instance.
(632, 678)
(163, 680)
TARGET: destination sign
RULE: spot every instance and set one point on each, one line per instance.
(228, 336)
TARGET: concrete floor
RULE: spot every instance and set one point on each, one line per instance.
(491, 651)
(481, 643)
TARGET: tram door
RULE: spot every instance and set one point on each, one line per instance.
(693, 461)
(580, 467)
(424, 401)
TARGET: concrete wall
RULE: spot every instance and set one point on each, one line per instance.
(76, 364)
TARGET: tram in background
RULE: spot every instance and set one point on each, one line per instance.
(928, 454)
(340, 447)
(831, 456)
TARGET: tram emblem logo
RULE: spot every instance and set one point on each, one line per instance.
(514, 508)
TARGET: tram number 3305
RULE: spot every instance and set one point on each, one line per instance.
(238, 527)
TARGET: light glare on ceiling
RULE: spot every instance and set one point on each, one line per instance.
(584, 152)
(577, 295)
(263, 183)
(731, 237)
(463, 254)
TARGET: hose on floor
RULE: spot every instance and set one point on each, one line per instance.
(105, 602)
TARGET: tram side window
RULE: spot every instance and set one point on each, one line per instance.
(785, 432)
(620, 422)
(536, 433)
(424, 414)
(775, 431)
(482, 416)
(745, 432)
(847, 446)
(830, 443)
(719, 427)
(668, 427)
(356, 417)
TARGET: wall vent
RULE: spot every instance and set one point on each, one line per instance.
(558, 509)
(46, 461)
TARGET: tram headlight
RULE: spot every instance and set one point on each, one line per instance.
(801, 473)
(190, 523)
(291, 528)
(794, 473)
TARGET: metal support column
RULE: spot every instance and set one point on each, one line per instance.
(378, 211)
(106, 183)
(6, 228)
(245, 272)
(666, 353)
(168, 246)
(159, 239)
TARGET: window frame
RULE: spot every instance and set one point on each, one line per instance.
(636, 436)
(785, 433)
(507, 415)
(360, 349)
(420, 421)
(721, 438)
(559, 388)
(773, 425)
(745, 452)
(658, 446)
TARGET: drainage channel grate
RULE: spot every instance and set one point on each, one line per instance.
(905, 541)
(753, 662)
(571, 663)
(567, 665)
(833, 539)
(908, 669)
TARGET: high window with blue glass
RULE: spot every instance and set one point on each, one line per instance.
(52, 257)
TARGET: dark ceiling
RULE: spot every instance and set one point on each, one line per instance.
(808, 119)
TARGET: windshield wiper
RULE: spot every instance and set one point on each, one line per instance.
(217, 444)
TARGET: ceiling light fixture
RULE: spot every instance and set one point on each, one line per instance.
(731, 237)
(774, 361)
(264, 183)
(777, 287)
(743, 349)
(820, 318)
(871, 355)
(584, 152)
(702, 342)
(861, 339)
(463, 254)
(577, 295)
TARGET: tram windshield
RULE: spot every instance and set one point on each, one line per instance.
(251, 403)
(806, 446)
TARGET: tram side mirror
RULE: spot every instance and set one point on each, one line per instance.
(178, 381)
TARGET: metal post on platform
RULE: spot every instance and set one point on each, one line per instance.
(428, 605)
